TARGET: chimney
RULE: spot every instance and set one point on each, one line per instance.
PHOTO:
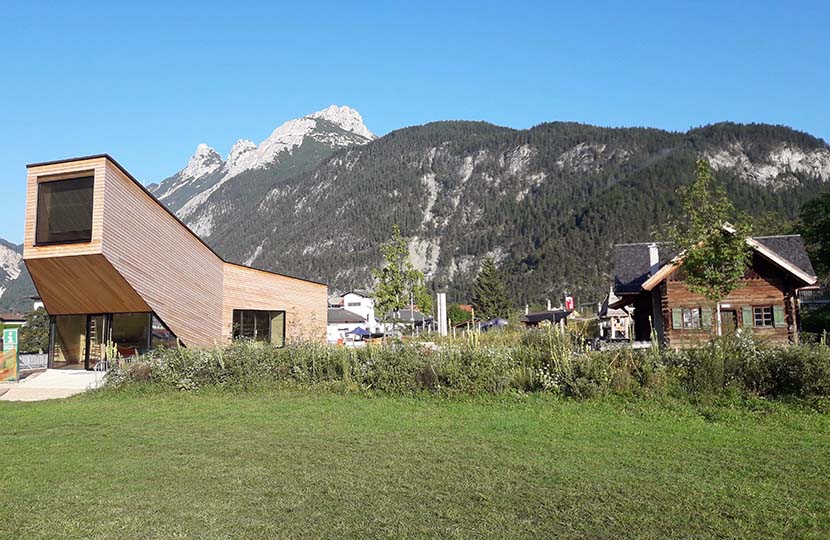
(527, 309)
(549, 309)
(653, 259)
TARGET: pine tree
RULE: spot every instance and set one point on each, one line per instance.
(34, 335)
(489, 292)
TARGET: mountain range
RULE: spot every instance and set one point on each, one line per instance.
(318, 196)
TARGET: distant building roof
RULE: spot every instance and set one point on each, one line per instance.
(606, 312)
(632, 268)
(408, 315)
(12, 317)
(554, 316)
(359, 292)
(344, 316)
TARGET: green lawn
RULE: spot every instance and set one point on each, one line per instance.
(324, 465)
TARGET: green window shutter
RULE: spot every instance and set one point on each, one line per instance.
(676, 318)
(706, 317)
(778, 316)
(746, 315)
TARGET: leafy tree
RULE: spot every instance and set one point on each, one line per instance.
(489, 292)
(815, 229)
(458, 315)
(399, 284)
(34, 335)
(714, 259)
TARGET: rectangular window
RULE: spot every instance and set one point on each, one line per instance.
(691, 318)
(64, 211)
(762, 316)
(259, 325)
(354, 304)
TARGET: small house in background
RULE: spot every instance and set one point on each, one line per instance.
(363, 304)
(409, 318)
(649, 278)
(614, 323)
(341, 324)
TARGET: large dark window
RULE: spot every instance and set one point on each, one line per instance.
(259, 325)
(64, 211)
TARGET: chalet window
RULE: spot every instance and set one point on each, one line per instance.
(259, 325)
(64, 211)
(691, 318)
(354, 304)
(762, 316)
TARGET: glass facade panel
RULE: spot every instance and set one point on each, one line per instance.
(97, 331)
(162, 336)
(278, 328)
(64, 211)
(68, 347)
(130, 333)
(81, 341)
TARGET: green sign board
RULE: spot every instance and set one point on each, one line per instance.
(9, 339)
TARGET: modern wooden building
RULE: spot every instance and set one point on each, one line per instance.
(649, 278)
(113, 265)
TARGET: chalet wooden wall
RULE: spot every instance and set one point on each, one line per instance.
(763, 285)
(177, 275)
(305, 302)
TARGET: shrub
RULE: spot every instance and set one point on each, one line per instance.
(537, 361)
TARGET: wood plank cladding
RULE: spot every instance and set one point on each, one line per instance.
(83, 284)
(178, 276)
(763, 285)
(63, 171)
(304, 302)
(142, 258)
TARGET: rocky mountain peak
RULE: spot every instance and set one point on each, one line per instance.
(346, 118)
(204, 161)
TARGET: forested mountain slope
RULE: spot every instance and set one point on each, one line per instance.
(547, 203)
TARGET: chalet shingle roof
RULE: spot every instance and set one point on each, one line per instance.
(791, 248)
(631, 264)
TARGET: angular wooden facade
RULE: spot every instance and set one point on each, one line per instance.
(649, 278)
(140, 258)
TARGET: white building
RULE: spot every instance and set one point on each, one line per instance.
(361, 303)
(340, 323)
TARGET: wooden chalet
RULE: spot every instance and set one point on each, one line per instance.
(649, 277)
(114, 266)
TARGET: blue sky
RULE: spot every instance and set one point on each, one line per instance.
(146, 82)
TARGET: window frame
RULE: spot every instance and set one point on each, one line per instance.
(39, 207)
(695, 315)
(238, 323)
(763, 315)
